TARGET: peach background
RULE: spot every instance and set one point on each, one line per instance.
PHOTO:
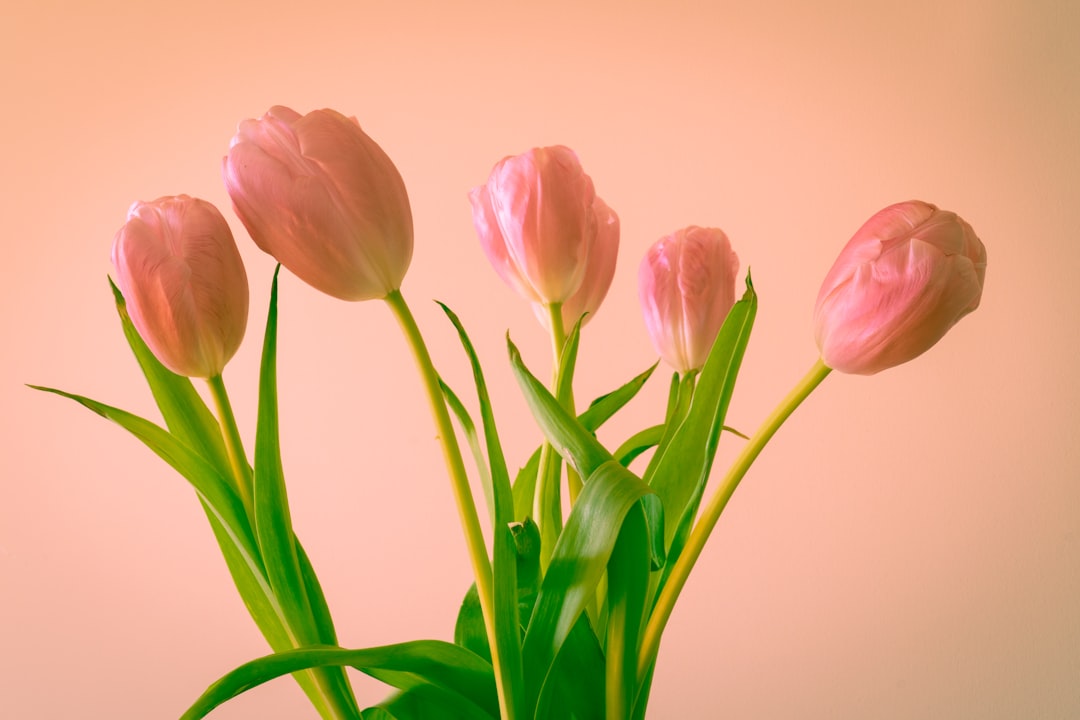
(908, 547)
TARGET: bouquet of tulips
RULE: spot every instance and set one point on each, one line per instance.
(572, 592)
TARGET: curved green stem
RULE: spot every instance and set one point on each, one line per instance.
(665, 601)
(234, 446)
(470, 521)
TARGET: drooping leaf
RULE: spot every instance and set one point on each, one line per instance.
(185, 414)
(638, 443)
(190, 420)
(456, 675)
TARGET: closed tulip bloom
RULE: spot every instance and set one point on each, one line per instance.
(686, 284)
(183, 282)
(323, 198)
(906, 277)
(536, 222)
(599, 271)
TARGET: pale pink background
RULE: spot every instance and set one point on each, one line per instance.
(909, 546)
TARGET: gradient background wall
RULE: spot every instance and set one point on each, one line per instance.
(908, 547)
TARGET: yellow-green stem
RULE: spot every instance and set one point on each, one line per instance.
(234, 446)
(665, 602)
(470, 522)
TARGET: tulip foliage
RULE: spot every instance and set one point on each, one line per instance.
(571, 593)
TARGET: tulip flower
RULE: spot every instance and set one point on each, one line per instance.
(599, 271)
(323, 198)
(686, 284)
(906, 277)
(536, 222)
(184, 283)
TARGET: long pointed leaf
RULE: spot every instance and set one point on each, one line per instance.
(504, 554)
(185, 414)
(602, 408)
(684, 464)
(190, 420)
(273, 523)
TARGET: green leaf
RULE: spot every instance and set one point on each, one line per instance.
(204, 477)
(458, 676)
(289, 570)
(426, 701)
(597, 414)
(681, 468)
(226, 514)
(525, 487)
(573, 687)
(469, 630)
(578, 446)
(638, 443)
(604, 407)
(273, 523)
(577, 565)
(504, 560)
(185, 414)
(190, 420)
(564, 380)
(380, 713)
(468, 428)
(527, 546)
(627, 591)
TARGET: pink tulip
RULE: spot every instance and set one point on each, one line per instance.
(536, 222)
(320, 196)
(184, 283)
(686, 284)
(906, 277)
(599, 272)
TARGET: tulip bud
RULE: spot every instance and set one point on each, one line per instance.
(184, 283)
(686, 284)
(599, 272)
(321, 197)
(536, 222)
(906, 277)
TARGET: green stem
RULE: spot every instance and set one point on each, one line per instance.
(234, 446)
(470, 522)
(665, 602)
